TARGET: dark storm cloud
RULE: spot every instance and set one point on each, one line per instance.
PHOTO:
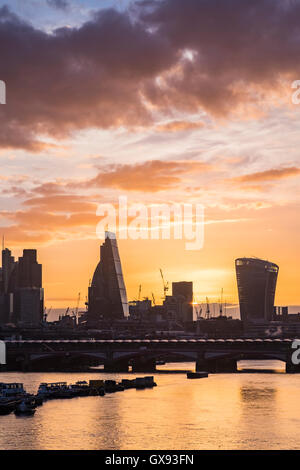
(75, 78)
(212, 55)
(237, 46)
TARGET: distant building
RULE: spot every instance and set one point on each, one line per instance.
(256, 281)
(183, 294)
(140, 309)
(22, 295)
(176, 309)
(281, 313)
(274, 329)
(219, 327)
(107, 297)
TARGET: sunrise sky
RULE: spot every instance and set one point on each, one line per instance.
(162, 101)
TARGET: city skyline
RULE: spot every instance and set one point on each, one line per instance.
(180, 124)
(109, 268)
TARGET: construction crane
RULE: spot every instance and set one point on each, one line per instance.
(76, 309)
(165, 284)
(207, 309)
(221, 303)
(153, 298)
(140, 291)
(46, 313)
(198, 312)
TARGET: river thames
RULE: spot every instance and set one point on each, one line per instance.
(223, 411)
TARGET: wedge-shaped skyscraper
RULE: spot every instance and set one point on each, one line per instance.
(107, 292)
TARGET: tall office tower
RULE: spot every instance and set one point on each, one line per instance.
(107, 292)
(29, 305)
(8, 264)
(256, 281)
(29, 270)
(183, 293)
(24, 301)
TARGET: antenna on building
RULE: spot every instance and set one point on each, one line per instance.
(3, 244)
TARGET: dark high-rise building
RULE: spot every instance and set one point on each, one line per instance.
(8, 264)
(29, 270)
(256, 281)
(22, 298)
(183, 293)
(107, 292)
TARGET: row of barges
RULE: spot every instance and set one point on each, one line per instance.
(14, 398)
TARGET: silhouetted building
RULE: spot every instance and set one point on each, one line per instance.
(176, 309)
(107, 292)
(8, 264)
(28, 306)
(22, 295)
(281, 313)
(256, 281)
(219, 327)
(183, 293)
(140, 309)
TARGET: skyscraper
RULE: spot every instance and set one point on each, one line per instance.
(183, 293)
(107, 292)
(8, 264)
(22, 298)
(256, 281)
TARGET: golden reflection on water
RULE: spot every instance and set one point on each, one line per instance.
(223, 411)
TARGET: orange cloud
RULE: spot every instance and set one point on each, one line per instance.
(151, 176)
(274, 174)
(62, 203)
(175, 126)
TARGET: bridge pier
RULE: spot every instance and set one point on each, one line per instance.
(24, 363)
(291, 368)
(216, 365)
(143, 364)
(116, 366)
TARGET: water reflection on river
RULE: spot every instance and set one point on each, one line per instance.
(223, 411)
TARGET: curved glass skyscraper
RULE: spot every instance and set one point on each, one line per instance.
(107, 292)
(256, 281)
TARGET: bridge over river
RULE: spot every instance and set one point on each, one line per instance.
(212, 355)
